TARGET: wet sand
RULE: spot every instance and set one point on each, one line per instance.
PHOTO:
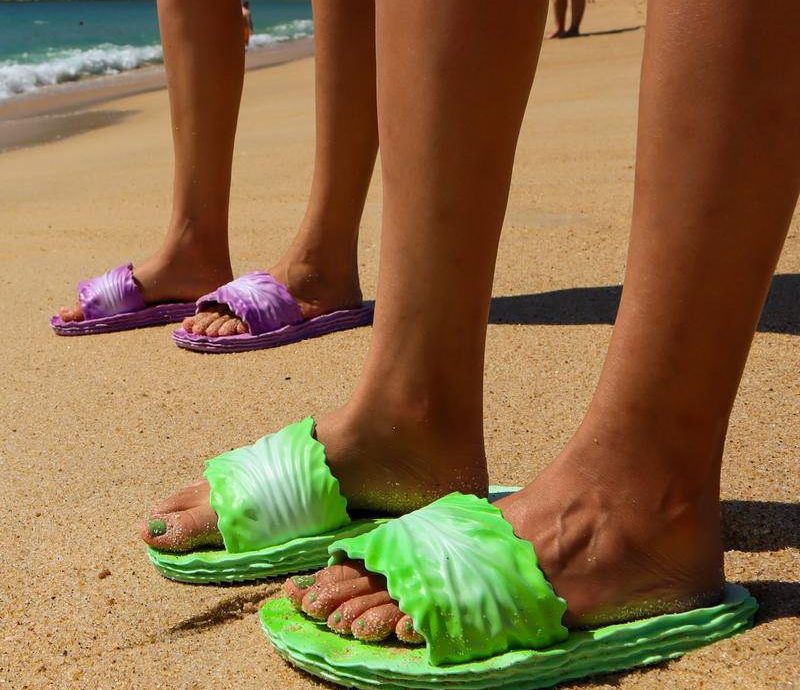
(96, 428)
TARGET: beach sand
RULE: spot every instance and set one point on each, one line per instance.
(95, 429)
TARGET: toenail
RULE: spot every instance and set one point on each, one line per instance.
(337, 617)
(157, 527)
(360, 623)
(312, 597)
(409, 627)
(304, 581)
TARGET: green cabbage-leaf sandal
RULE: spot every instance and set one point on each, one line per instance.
(489, 617)
(279, 508)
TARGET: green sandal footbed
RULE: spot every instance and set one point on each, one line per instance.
(279, 509)
(489, 617)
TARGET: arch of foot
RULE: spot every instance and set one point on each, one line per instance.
(472, 588)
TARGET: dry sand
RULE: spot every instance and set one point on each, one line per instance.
(96, 428)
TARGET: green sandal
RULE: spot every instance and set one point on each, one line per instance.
(279, 509)
(489, 617)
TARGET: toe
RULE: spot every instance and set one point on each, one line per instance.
(183, 530)
(203, 320)
(212, 330)
(231, 327)
(74, 313)
(324, 598)
(404, 630)
(341, 620)
(377, 623)
(241, 327)
(295, 588)
(188, 323)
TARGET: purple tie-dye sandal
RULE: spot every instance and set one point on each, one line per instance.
(112, 302)
(272, 315)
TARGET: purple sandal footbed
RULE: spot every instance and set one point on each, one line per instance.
(341, 320)
(156, 315)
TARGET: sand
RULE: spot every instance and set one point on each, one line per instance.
(96, 428)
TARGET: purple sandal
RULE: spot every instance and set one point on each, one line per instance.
(271, 314)
(112, 302)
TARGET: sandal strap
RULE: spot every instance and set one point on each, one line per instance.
(472, 588)
(278, 489)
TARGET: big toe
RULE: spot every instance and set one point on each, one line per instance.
(74, 313)
(182, 530)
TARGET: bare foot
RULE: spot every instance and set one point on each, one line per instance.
(386, 466)
(616, 550)
(316, 292)
(183, 277)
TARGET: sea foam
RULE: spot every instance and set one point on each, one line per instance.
(71, 65)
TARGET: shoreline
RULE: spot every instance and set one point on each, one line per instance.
(55, 112)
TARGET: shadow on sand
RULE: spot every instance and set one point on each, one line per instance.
(598, 305)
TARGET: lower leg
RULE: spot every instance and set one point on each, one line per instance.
(626, 520)
(578, 8)
(413, 430)
(560, 16)
(320, 267)
(204, 60)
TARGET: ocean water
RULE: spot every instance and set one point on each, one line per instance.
(45, 42)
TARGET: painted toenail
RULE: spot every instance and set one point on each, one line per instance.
(409, 627)
(312, 597)
(360, 623)
(157, 527)
(304, 581)
(337, 617)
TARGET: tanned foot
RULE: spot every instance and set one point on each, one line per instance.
(171, 277)
(615, 549)
(383, 466)
(316, 291)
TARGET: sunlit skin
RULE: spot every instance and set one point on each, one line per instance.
(204, 60)
(625, 521)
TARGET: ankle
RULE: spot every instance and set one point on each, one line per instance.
(382, 452)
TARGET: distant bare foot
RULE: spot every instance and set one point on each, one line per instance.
(178, 278)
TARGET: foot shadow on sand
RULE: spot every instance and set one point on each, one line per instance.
(598, 305)
(607, 32)
(757, 526)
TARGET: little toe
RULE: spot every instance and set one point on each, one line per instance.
(323, 599)
(377, 623)
(404, 630)
(341, 620)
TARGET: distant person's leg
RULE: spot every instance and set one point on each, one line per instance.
(320, 267)
(626, 521)
(204, 60)
(560, 16)
(578, 8)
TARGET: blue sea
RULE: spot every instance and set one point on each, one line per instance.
(45, 42)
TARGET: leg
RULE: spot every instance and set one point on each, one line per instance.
(320, 267)
(413, 429)
(204, 59)
(578, 8)
(560, 15)
(626, 520)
